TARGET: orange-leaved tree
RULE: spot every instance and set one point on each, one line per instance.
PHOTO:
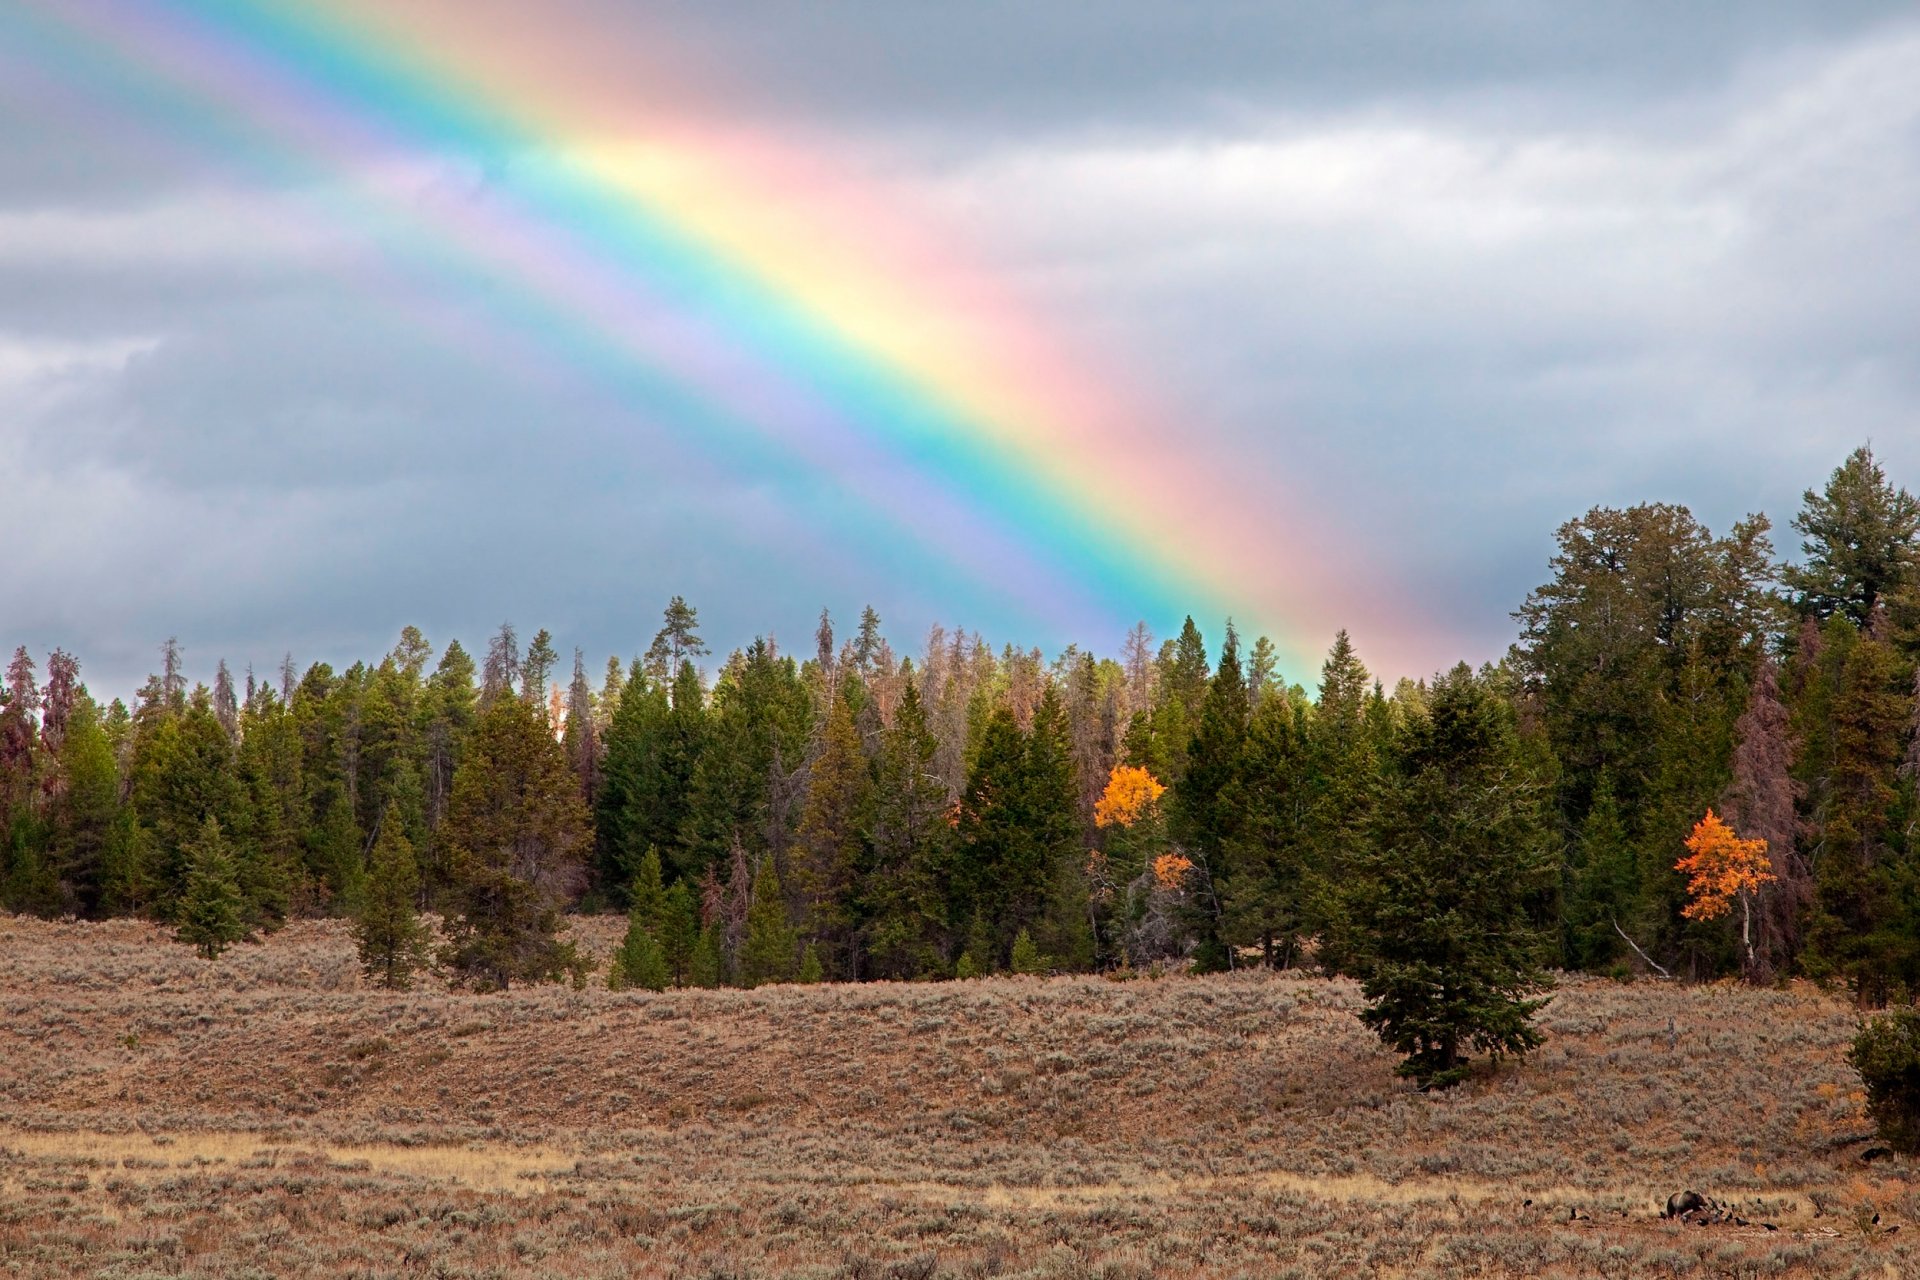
(1131, 795)
(1724, 867)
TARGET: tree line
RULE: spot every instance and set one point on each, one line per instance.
(852, 813)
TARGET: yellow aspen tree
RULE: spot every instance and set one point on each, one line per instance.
(1724, 867)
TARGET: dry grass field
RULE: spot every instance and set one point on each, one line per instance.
(266, 1115)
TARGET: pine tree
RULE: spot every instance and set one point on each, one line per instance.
(210, 916)
(678, 641)
(771, 948)
(537, 669)
(679, 932)
(908, 931)
(582, 740)
(387, 929)
(1442, 933)
(640, 961)
(1861, 928)
(829, 848)
(708, 966)
(1269, 853)
(516, 835)
(1600, 884)
(1026, 957)
(1862, 542)
(1203, 825)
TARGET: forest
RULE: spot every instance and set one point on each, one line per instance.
(855, 813)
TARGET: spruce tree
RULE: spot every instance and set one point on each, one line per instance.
(387, 929)
(1026, 957)
(210, 915)
(830, 853)
(770, 952)
(1862, 927)
(640, 961)
(1439, 906)
(908, 933)
(679, 932)
(1862, 542)
(516, 835)
(1268, 855)
(1203, 825)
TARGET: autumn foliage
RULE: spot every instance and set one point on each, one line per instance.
(1722, 867)
(1170, 870)
(1131, 794)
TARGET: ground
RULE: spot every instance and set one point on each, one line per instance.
(267, 1114)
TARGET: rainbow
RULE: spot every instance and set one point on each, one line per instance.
(761, 309)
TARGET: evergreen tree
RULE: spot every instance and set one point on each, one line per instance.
(1600, 884)
(387, 929)
(640, 961)
(582, 740)
(1439, 905)
(707, 966)
(770, 952)
(516, 836)
(829, 847)
(1203, 825)
(536, 669)
(210, 914)
(679, 932)
(1026, 958)
(1862, 542)
(1862, 928)
(908, 932)
(677, 642)
(1269, 853)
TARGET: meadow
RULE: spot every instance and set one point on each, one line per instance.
(269, 1114)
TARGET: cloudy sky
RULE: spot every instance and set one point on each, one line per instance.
(1456, 271)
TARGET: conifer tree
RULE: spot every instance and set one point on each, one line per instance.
(829, 847)
(1862, 542)
(678, 641)
(582, 740)
(707, 967)
(210, 914)
(537, 669)
(387, 929)
(679, 932)
(1438, 906)
(1862, 929)
(1026, 957)
(908, 931)
(516, 835)
(1269, 853)
(1203, 824)
(640, 961)
(770, 951)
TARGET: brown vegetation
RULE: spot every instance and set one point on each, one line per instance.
(268, 1114)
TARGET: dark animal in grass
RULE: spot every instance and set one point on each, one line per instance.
(1704, 1211)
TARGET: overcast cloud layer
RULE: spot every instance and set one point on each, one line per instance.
(1459, 271)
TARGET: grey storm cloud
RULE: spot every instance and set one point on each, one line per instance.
(1456, 271)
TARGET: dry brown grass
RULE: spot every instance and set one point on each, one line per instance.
(266, 1115)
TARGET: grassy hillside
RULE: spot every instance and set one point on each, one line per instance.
(264, 1114)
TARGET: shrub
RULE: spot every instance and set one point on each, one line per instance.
(1886, 1053)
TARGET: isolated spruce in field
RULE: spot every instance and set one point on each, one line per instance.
(212, 909)
(1440, 906)
(391, 937)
